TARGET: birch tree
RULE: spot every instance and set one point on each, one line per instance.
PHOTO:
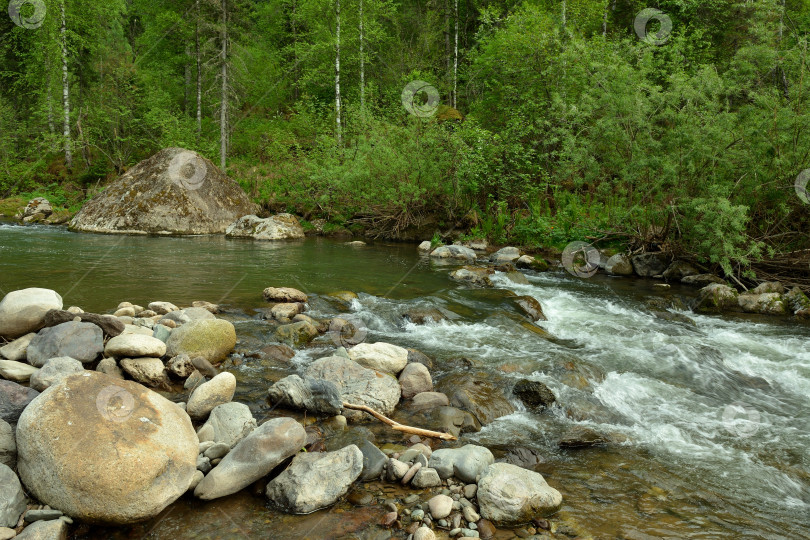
(65, 88)
(338, 126)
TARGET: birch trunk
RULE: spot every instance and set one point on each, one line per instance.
(339, 132)
(223, 109)
(199, 70)
(455, 56)
(65, 91)
(362, 64)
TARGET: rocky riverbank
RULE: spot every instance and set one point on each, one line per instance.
(110, 418)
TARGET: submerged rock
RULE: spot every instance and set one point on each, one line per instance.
(314, 395)
(317, 480)
(534, 393)
(510, 495)
(477, 393)
(253, 458)
(530, 306)
(585, 437)
(770, 303)
(24, 310)
(176, 191)
(105, 450)
(297, 333)
(278, 227)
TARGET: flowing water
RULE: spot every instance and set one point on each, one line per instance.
(716, 415)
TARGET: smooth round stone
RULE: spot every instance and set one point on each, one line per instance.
(440, 506)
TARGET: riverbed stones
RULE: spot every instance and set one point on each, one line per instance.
(318, 396)
(769, 303)
(277, 227)
(253, 458)
(180, 366)
(619, 265)
(213, 339)
(533, 263)
(176, 191)
(162, 308)
(424, 533)
(24, 310)
(702, 280)
(135, 345)
(453, 253)
(479, 393)
(284, 294)
(380, 356)
(54, 529)
(12, 498)
(534, 393)
(649, 264)
(429, 400)
(54, 371)
(424, 247)
(374, 461)
(285, 311)
(440, 506)
(37, 210)
(316, 480)
(148, 371)
(586, 437)
(510, 495)
(679, 270)
(357, 384)
(465, 463)
(504, 255)
(16, 350)
(415, 379)
(8, 445)
(16, 371)
(205, 397)
(795, 299)
(82, 341)
(14, 398)
(716, 297)
(454, 420)
(426, 477)
(474, 275)
(297, 333)
(109, 324)
(80, 438)
(109, 366)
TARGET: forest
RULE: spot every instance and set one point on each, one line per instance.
(680, 125)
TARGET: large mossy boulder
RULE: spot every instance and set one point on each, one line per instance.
(176, 191)
(105, 450)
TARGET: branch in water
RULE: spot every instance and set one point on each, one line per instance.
(400, 427)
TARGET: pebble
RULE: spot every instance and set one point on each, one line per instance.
(391, 505)
(423, 533)
(469, 533)
(360, 498)
(411, 472)
(217, 450)
(42, 515)
(470, 490)
(417, 514)
(471, 515)
(411, 499)
(440, 506)
(389, 519)
(443, 523)
(455, 532)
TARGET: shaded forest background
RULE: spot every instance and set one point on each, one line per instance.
(556, 121)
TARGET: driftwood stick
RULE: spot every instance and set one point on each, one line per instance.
(400, 427)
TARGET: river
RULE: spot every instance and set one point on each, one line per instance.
(716, 414)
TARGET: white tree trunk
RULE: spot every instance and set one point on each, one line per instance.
(223, 109)
(49, 97)
(563, 14)
(65, 91)
(362, 64)
(187, 81)
(455, 57)
(338, 132)
(199, 70)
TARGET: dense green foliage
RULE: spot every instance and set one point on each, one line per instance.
(570, 126)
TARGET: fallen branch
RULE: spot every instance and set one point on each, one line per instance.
(400, 427)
